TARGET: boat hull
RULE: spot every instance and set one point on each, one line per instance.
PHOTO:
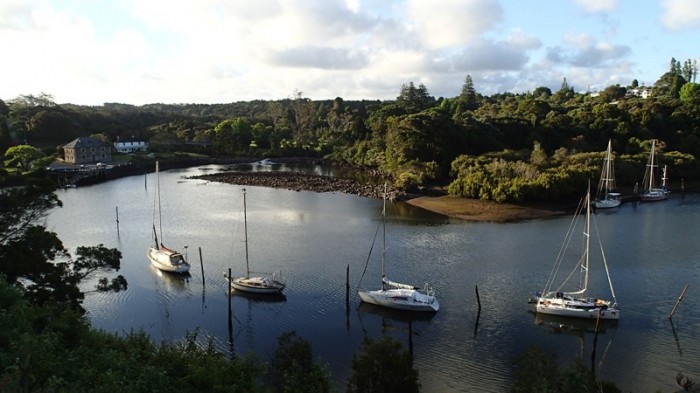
(607, 203)
(654, 195)
(167, 262)
(545, 306)
(610, 314)
(401, 299)
(258, 285)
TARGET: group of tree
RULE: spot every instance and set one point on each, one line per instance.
(416, 139)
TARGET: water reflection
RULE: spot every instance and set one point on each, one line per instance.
(260, 298)
(583, 329)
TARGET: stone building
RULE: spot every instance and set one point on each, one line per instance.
(87, 150)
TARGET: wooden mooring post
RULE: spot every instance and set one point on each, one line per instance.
(117, 207)
(678, 302)
(478, 313)
(201, 265)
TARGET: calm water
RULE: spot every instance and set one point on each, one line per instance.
(653, 250)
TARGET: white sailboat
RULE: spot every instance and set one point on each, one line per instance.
(396, 295)
(164, 258)
(575, 302)
(606, 198)
(264, 284)
(651, 191)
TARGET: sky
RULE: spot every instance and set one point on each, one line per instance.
(90, 52)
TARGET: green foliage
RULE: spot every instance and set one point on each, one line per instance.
(293, 369)
(382, 366)
(22, 157)
(690, 92)
(54, 349)
(509, 178)
(35, 258)
(540, 372)
(414, 99)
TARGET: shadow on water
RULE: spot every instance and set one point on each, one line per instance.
(259, 298)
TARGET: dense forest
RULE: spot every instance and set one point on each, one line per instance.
(539, 145)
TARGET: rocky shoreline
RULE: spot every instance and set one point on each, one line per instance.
(298, 181)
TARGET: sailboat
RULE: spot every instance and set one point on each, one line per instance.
(606, 198)
(575, 303)
(651, 191)
(396, 295)
(255, 284)
(164, 258)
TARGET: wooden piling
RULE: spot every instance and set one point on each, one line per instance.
(478, 301)
(201, 265)
(347, 287)
(680, 298)
(478, 312)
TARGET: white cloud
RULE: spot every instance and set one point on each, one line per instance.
(681, 14)
(142, 51)
(584, 51)
(595, 6)
(452, 22)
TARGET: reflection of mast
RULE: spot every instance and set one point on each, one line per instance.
(579, 329)
(230, 317)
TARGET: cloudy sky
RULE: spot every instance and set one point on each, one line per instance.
(214, 51)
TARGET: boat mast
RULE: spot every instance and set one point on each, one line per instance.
(245, 230)
(383, 233)
(587, 234)
(663, 179)
(160, 216)
(606, 176)
(651, 164)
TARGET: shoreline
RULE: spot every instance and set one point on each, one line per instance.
(437, 201)
(487, 211)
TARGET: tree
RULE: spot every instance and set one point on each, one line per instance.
(35, 258)
(669, 84)
(293, 369)
(540, 372)
(565, 92)
(382, 366)
(414, 99)
(468, 95)
(22, 156)
(690, 92)
(233, 136)
(51, 127)
(542, 92)
(5, 138)
(690, 70)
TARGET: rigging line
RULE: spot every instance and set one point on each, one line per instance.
(565, 245)
(605, 261)
(374, 240)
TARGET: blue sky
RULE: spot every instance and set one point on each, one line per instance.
(90, 52)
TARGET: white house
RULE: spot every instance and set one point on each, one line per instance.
(130, 146)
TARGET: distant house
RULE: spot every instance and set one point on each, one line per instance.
(130, 146)
(643, 92)
(87, 150)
